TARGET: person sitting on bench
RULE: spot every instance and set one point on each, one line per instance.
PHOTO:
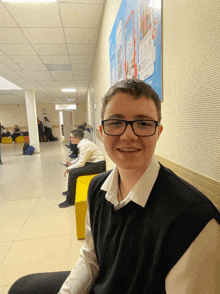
(90, 161)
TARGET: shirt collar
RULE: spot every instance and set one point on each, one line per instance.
(141, 191)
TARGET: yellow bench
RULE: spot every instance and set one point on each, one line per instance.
(82, 186)
(6, 140)
(19, 139)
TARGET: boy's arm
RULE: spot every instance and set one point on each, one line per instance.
(84, 272)
(198, 270)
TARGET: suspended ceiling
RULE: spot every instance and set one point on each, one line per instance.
(47, 47)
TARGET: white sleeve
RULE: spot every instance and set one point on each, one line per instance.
(84, 272)
(198, 270)
(84, 153)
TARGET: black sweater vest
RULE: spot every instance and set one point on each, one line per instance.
(136, 247)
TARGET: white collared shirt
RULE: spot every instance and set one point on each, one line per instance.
(88, 152)
(197, 271)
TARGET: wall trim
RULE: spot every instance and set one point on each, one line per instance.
(207, 186)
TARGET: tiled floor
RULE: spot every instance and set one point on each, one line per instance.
(35, 234)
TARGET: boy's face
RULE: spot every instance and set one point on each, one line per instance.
(128, 151)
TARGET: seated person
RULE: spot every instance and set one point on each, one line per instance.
(40, 130)
(87, 135)
(16, 133)
(73, 150)
(86, 126)
(4, 133)
(90, 161)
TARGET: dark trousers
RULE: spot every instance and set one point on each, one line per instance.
(15, 135)
(44, 283)
(88, 169)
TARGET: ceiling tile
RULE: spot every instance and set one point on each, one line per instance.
(81, 58)
(7, 60)
(78, 35)
(56, 59)
(78, 49)
(30, 71)
(81, 72)
(81, 15)
(22, 60)
(12, 35)
(81, 79)
(44, 35)
(14, 67)
(84, 1)
(82, 66)
(50, 49)
(2, 53)
(18, 49)
(63, 74)
(35, 14)
(5, 19)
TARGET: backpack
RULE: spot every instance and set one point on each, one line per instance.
(25, 147)
(29, 151)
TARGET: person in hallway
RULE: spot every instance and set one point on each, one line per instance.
(90, 161)
(147, 230)
(16, 133)
(40, 130)
(4, 133)
(87, 135)
(86, 127)
(48, 130)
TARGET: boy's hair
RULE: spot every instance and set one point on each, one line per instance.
(136, 88)
(81, 127)
(78, 134)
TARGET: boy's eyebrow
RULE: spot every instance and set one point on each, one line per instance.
(139, 116)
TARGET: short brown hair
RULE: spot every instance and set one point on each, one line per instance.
(136, 88)
(79, 134)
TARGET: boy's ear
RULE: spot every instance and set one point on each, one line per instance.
(101, 130)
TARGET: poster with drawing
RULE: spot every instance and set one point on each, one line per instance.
(136, 43)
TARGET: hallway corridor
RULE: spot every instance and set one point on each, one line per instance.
(36, 235)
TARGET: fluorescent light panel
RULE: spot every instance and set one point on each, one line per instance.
(65, 106)
(68, 90)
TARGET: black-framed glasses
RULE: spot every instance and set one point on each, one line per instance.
(141, 128)
(71, 137)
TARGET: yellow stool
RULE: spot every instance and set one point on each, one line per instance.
(19, 139)
(6, 140)
(82, 186)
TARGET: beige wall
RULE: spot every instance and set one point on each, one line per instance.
(100, 79)
(11, 114)
(191, 89)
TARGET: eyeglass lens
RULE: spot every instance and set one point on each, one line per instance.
(141, 127)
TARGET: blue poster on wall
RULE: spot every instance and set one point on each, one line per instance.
(135, 43)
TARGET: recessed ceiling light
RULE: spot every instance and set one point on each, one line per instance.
(68, 90)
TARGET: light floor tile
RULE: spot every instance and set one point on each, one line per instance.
(47, 225)
(33, 256)
(4, 290)
(4, 249)
(21, 194)
(50, 205)
(54, 192)
(42, 236)
(11, 227)
(17, 208)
